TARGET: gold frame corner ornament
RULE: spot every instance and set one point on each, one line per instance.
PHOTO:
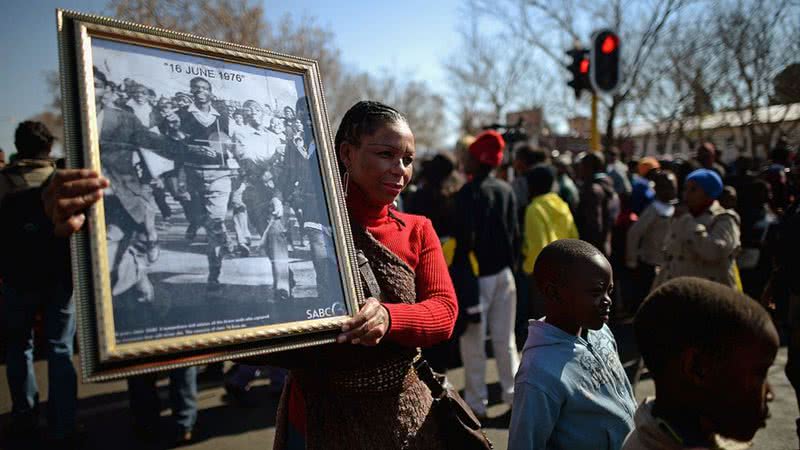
(101, 356)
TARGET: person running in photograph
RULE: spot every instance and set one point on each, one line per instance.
(208, 172)
(166, 108)
(130, 204)
(264, 201)
(306, 195)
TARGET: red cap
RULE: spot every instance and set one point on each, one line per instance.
(488, 148)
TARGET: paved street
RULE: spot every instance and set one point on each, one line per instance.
(103, 412)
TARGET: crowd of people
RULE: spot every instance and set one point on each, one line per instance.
(245, 158)
(540, 260)
(674, 229)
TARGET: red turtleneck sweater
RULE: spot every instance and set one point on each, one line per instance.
(413, 239)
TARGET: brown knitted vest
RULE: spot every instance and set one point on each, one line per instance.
(360, 397)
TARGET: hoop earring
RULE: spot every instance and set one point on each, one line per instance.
(346, 182)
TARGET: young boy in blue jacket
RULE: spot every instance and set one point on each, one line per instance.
(571, 391)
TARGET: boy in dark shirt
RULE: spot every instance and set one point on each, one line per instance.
(708, 348)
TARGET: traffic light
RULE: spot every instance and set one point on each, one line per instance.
(605, 61)
(579, 68)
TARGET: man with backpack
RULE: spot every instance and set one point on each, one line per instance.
(34, 267)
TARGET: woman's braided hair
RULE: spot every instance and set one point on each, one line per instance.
(364, 118)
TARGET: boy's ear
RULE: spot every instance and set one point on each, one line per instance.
(551, 291)
(693, 366)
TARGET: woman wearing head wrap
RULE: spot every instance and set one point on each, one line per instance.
(704, 240)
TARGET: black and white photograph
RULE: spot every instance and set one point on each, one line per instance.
(216, 218)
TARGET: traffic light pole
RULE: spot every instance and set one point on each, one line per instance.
(594, 142)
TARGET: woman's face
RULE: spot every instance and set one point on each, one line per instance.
(382, 164)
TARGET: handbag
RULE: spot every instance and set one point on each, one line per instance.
(459, 427)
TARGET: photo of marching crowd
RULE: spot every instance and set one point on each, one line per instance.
(212, 200)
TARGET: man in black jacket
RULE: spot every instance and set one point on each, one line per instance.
(488, 226)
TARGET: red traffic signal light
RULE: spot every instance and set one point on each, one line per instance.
(605, 61)
(579, 67)
(609, 44)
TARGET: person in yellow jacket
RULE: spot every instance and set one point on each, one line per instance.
(547, 219)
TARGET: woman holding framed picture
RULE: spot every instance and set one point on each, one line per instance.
(369, 395)
(363, 391)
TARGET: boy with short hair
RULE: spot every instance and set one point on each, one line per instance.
(710, 372)
(571, 390)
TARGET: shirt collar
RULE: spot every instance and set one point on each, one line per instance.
(663, 209)
(194, 110)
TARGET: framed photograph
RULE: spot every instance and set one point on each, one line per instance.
(224, 233)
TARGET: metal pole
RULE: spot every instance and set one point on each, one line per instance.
(594, 142)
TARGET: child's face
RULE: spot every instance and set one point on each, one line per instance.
(586, 296)
(736, 403)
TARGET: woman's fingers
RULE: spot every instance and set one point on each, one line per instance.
(372, 331)
(367, 327)
(372, 338)
(355, 327)
(361, 316)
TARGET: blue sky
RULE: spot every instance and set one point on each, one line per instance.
(374, 36)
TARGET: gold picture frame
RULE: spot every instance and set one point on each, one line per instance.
(107, 67)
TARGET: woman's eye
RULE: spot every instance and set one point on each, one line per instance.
(385, 154)
(408, 160)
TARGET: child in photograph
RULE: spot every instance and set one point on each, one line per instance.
(708, 348)
(571, 391)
